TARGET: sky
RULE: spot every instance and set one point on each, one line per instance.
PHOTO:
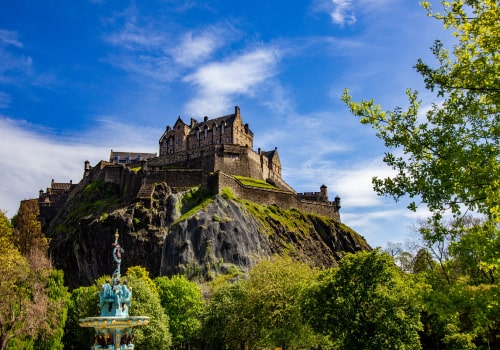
(79, 78)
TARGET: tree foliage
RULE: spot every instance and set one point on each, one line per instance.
(449, 158)
(182, 301)
(367, 303)
(84, 302)
(27, 233)
(263, 310)
(32, 307)
(146, 302)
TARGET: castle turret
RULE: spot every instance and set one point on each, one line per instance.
(337, 202)
(323, 193)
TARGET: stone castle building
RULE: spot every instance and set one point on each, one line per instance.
(211, 153)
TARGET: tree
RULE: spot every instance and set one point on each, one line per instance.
(273, 302)
(146, 302)
(226, 307)
(263, 310)
(84, 302)
(450, 159)
(27, 228)
(26, 309)
(367, 303)
(182, 301)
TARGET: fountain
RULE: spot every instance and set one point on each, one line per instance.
(114, 327)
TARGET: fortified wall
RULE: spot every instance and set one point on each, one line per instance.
(208, 154)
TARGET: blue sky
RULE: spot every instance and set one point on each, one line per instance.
(79, 78)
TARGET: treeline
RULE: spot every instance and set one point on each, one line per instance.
(446, 296)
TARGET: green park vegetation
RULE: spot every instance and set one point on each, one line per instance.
(443, 295)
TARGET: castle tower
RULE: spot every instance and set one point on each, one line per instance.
(323, 197)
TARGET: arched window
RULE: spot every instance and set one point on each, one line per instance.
(214, 130)
(206, 132)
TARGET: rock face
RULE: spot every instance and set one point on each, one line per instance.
(186, 233)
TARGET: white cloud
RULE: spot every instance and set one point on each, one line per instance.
(342, 12)
(30, 157)
(194, 48)
(217, 82)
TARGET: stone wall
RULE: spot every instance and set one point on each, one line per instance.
(283, 199)
(129, 181)
(176, 179)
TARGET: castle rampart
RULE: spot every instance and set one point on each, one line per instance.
(283, 199)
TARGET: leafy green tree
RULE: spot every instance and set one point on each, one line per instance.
(182, 301)
(262, 310)
(51, 337)
(14, 270)
(146, 302)
(273, 302)
(462, 304)
(84, 302)
(27, 311)
(367, 303)
(225, 307)
(27, 228)
(450, 157)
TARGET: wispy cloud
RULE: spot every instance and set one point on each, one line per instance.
(194, 47)
(151, 51)
(13, 63)
(242, 74)
(342, 12)
(9, 37)
(32, 156)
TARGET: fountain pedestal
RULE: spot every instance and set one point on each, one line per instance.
(113, 329)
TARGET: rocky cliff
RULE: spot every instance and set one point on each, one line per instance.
(190, 233)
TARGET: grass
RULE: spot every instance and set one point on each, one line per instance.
(251, 182)
(192, 202)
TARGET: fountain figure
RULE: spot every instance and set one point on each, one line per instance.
(114, 326)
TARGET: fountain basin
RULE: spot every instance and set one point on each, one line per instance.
(113, 332)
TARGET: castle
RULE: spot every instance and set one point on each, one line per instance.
(214, 154)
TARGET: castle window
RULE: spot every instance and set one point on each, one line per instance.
(178, 139)
(206, 132)
(214, 130)
(222, 128)
(197, 134)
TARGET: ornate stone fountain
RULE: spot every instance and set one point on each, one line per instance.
(114, 327)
